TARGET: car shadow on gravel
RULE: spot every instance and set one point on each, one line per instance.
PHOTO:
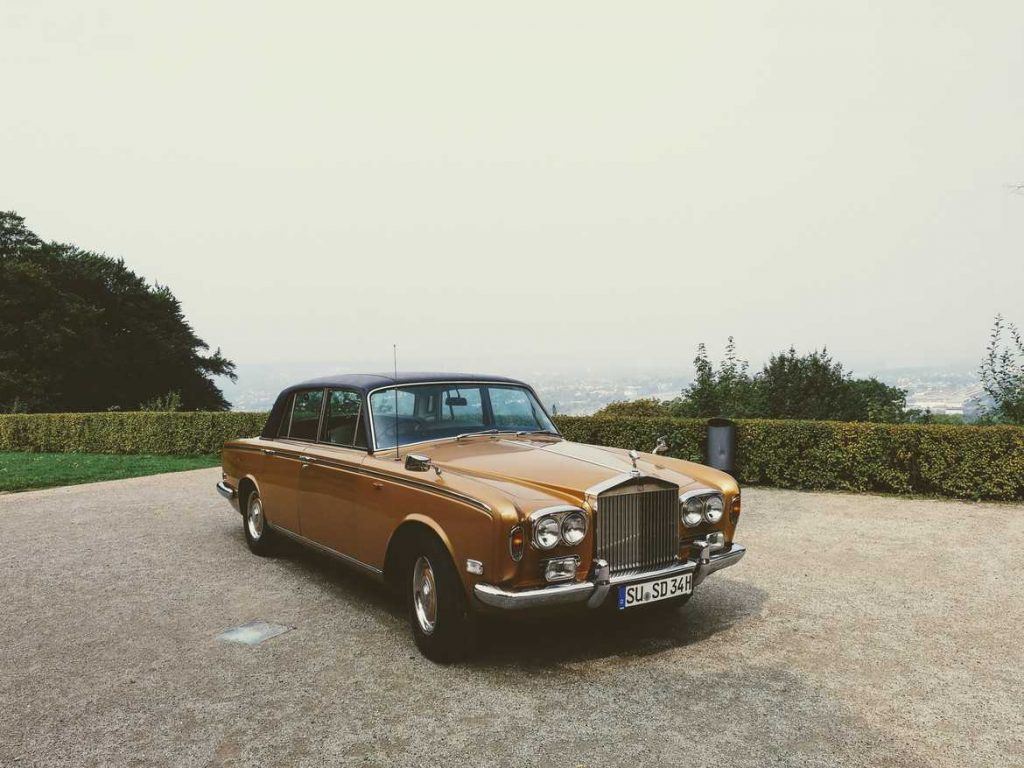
(351, 585)
(538, 642)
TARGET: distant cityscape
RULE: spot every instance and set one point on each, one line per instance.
(941, 391)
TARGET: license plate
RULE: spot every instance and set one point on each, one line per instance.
(633, 595)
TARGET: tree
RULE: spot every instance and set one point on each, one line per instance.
(728, 391)
(14, 235)
(876, 401)
(1002, 372)
(814, 386)
(789, 386)
(81, 332)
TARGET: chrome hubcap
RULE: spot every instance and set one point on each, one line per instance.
(254, 519)
(424, 595)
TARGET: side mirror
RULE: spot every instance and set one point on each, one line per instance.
(661, 448)
(417, 462)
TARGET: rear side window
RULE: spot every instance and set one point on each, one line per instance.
(342, 423)
(305, 414)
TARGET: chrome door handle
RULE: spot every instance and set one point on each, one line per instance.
(269, 452)
(306, 459)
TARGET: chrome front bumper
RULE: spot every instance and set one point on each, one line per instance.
(702, 564)
(226, 490)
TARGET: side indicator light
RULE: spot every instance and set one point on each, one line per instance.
(516, 543)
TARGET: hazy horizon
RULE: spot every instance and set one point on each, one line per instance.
(585, 186)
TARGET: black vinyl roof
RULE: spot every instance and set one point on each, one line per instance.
(365, 382)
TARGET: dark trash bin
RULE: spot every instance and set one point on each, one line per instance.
(721, 451)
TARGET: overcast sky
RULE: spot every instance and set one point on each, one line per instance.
(536, 184)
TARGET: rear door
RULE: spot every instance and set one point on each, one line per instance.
(331, 486)
(279, 480)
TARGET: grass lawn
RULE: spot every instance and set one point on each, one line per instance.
(23, 471)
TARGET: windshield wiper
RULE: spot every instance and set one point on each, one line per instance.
(519, 433)
(481, 432)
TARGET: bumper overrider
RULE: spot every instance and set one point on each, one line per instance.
(702, 563)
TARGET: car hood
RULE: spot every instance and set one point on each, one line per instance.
(542, 468)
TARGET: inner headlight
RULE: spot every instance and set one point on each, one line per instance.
(714, 508)
(546, 533)
(693, 511)
(574, 528)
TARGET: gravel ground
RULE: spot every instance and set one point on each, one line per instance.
(859, 630)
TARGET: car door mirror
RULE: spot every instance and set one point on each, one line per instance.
(417, 462)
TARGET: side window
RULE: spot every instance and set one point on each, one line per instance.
(306, 414)
(342, 424)
(286, 417)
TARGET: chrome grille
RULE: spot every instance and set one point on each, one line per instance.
(638, 531)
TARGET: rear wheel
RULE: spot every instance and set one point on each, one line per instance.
(442, 625)
(258, 534)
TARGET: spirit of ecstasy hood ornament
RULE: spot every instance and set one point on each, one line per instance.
(633, 455)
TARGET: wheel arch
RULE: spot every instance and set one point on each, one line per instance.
(401, 540)
(245, 487)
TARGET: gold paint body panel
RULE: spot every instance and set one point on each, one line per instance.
(352, 502)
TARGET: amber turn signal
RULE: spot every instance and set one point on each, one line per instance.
(516, 543)
(734, 512)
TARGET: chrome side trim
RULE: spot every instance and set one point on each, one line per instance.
(358, 469)
(226, 490)
(346, 559)
(594, 592)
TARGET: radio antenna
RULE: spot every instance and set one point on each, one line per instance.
(398, 446)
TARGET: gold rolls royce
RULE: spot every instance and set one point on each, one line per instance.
(459, 492)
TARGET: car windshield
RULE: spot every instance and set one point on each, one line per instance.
(420, 412)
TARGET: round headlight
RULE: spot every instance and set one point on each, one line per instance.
(574, 528)
(714, 507)
(693, 511)
(546, 533)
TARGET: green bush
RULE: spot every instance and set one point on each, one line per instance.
(935, 459)
(181, 433)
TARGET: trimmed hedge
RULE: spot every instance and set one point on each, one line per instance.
(180, 433)
(933, 459)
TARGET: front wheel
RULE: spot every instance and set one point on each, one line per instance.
(258, 534)
(442, 625)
